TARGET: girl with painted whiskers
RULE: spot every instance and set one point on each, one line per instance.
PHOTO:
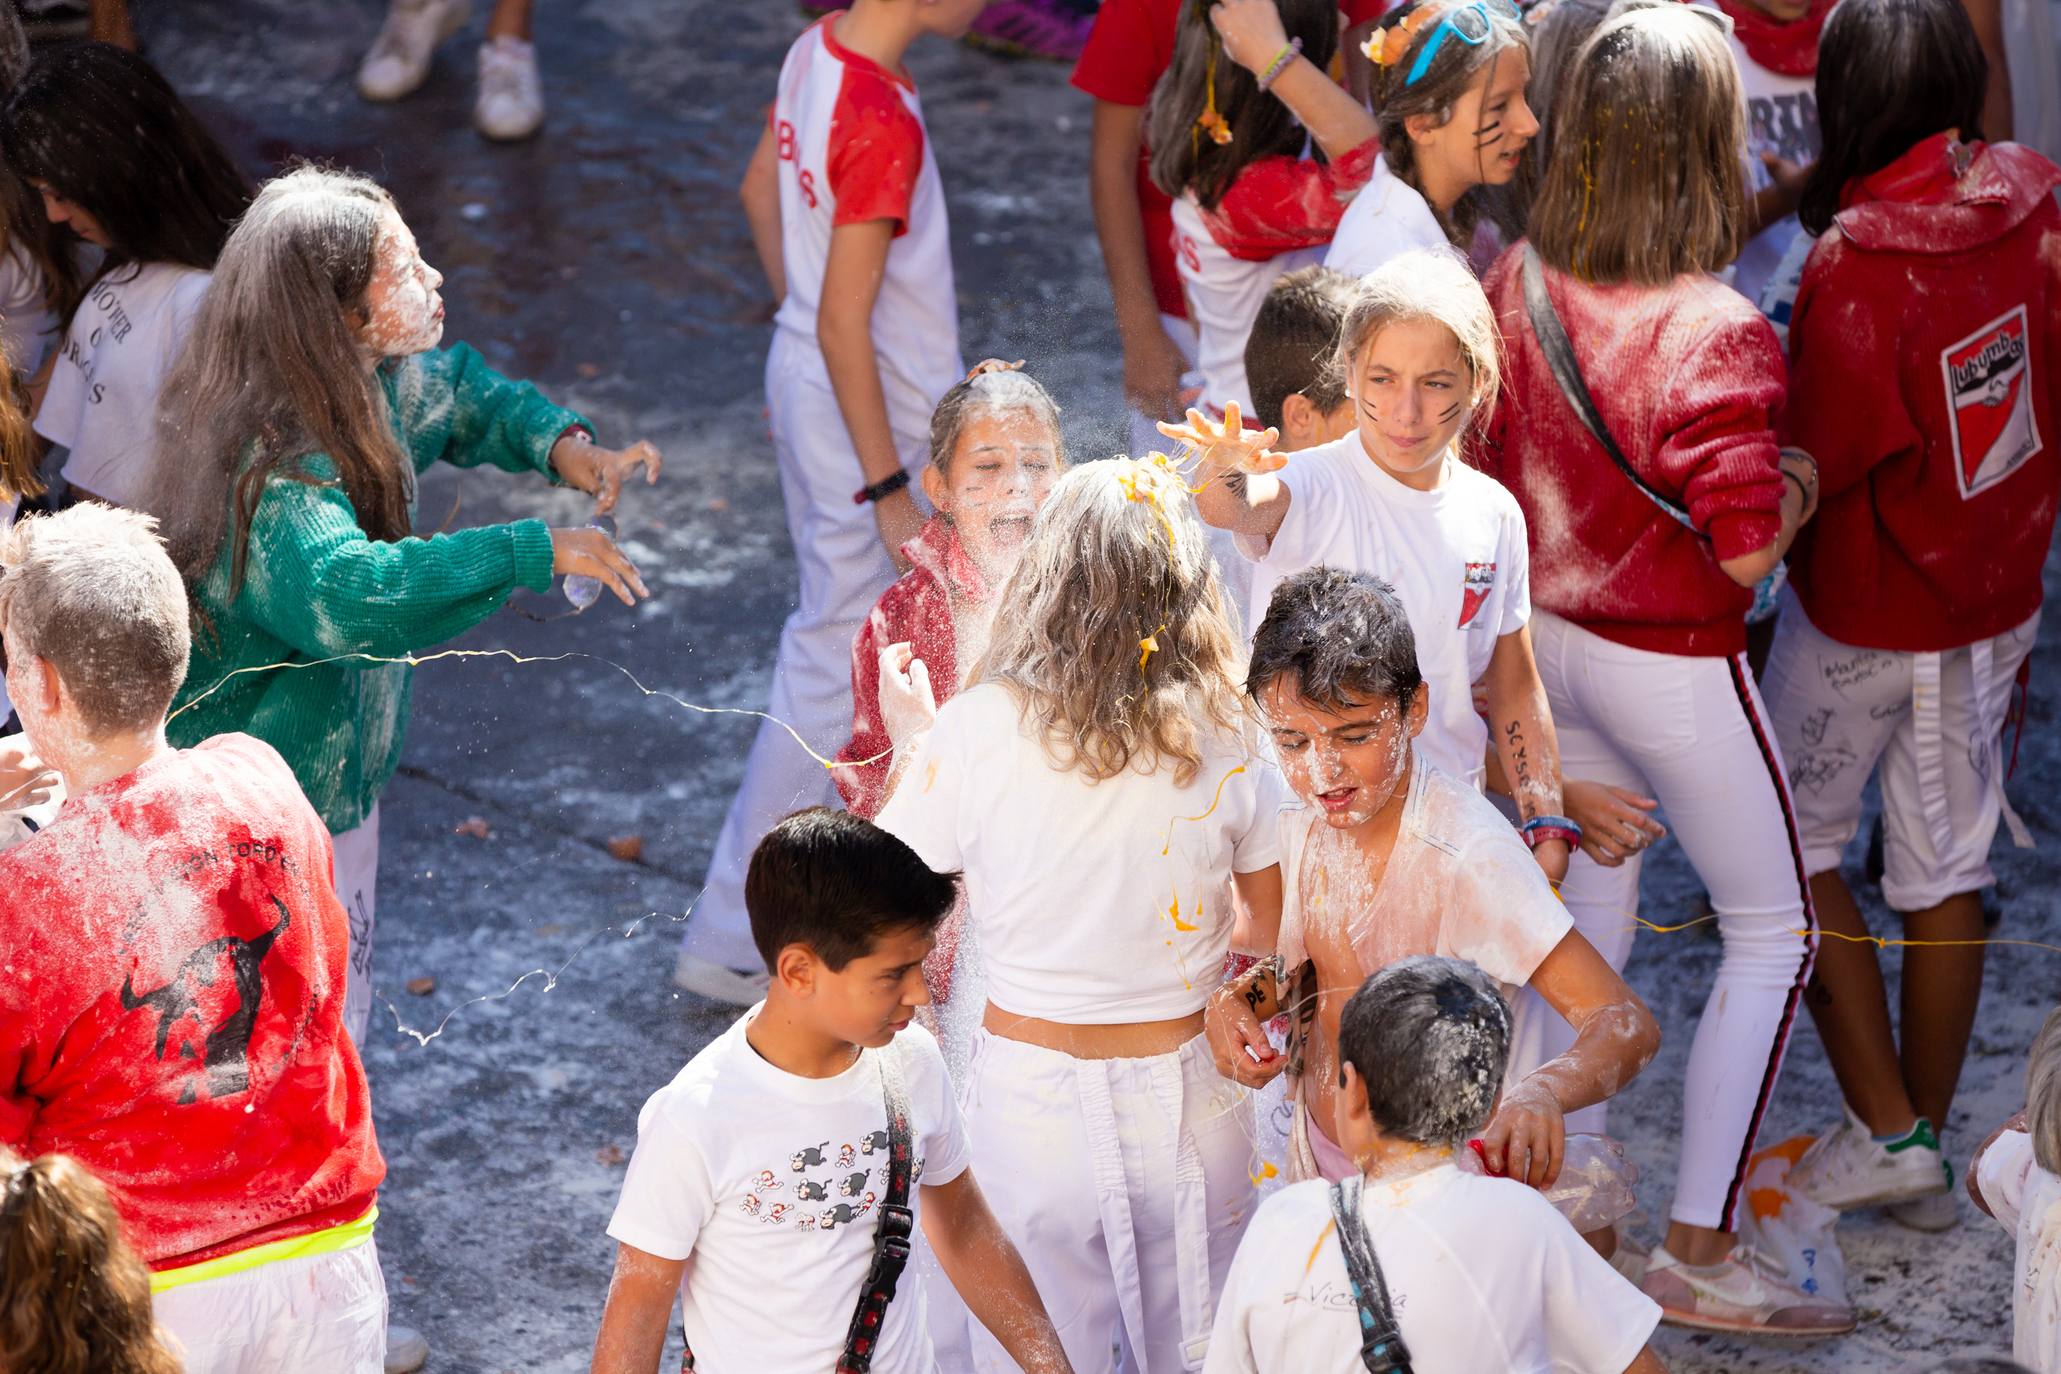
(1449, 95)
(309, 399)
(1651, 526)
(1099, 786)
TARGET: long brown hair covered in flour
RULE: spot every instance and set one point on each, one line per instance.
(273, 373)
(1118, 559)
(74, 1299)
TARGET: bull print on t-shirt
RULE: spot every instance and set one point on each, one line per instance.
(834, 1190)
(1989, 396)
(1475, 587)
(200, 991)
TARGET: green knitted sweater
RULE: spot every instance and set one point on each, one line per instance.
(315, 587)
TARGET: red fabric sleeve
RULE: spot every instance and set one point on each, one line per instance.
(863, 784)
(1130, 45)
(1280, 204)
(1715, 434)
(1845, 407)
(876, 152)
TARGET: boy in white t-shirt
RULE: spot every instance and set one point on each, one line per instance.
(1477, 1273)
(1387, 858)
(1418, 353)
(848, 216)
(759, 1193)
(2016, 1178)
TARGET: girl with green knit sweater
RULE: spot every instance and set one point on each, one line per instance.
(310, 395)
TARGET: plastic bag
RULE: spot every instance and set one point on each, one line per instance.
(1788, 1228)
(1595, 1184)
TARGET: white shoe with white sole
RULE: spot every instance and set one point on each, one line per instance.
(398, 61)
(739, 988)
(511, 94)
(1847, 1168)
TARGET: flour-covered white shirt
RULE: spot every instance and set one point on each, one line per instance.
(102, 401)
(1095, 902)
(2027, 1200)
(766, 1183)
(1781, 118)
(1483, 1273)
(1456, 555)
(852, 148)
(1224, 296)
(27, 324)
(1387, 219)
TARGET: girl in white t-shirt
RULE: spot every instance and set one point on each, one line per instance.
(122, 165)
(1393, 498)
(2016, 1178)
(1100, 787)
(1449, 83)
(1231, 125)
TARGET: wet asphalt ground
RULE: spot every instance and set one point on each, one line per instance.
(608, 261)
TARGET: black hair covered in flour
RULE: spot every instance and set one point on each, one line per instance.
(1341, 637)
(1429, 1037)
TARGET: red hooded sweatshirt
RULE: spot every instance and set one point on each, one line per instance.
(1688, 378)
(1926, 352)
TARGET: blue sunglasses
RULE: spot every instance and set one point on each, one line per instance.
(1470, 23)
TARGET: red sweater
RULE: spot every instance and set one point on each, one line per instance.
(172, 964)
(1688, 378)
(917, 611)
(1927, 356)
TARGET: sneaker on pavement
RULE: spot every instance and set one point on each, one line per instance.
(1932, 1212)
(1742, 1293)
(398, 60)
(1847, 1167)
(406, 1351)
(511, 95)
(718, 984)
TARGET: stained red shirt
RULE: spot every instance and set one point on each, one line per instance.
(172, 964)
(1926, 348)
(1689, 380)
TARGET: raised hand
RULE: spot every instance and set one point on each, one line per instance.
(600, 471)
(1251, 30)
(1226, 446)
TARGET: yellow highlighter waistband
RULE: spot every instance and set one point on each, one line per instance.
(348, 1236)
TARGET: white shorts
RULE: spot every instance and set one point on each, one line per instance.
(1928, 725)
(357, 886)
(325, 1314)
(1125, 1184)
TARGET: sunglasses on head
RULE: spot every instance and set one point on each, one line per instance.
(1470, 23)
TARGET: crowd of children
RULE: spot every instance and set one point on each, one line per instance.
(1218, 960)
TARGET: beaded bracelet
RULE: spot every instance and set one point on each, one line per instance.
(1542, 829)
(1290, 50)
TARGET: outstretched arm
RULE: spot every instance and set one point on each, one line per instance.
(990, 1275)
(1233, 472)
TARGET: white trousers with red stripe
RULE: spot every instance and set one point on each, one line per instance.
(1693, 733)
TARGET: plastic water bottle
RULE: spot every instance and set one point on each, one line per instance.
(581, 590)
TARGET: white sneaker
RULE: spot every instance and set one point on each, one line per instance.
(718, 984)
(398, 60)
(511, 95)
(1744, 1292)
(1846, 1167)
(406, 1351)
(1932, 1212)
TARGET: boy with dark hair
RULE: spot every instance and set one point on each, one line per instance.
(773, 1176)
(1388, 857)
(1288, 358)
(1447, 1269)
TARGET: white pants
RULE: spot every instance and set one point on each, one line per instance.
(1928, 725)
(357, 882)
(844, 569)
(1693, 733)
(325, 1314)
(1125, 1183)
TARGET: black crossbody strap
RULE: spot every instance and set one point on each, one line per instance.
(1381, 1344)
(891, 1241)
(891, 1236)
(1559, 350)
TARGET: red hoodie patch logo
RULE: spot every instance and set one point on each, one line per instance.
(1987, 388)
(1474, 590)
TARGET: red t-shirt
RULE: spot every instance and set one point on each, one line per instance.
(172, 964)
(1129, 48)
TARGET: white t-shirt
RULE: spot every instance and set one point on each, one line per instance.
(1456, 555)
(765, 1183)
(2027, 1200)
(102, 401)
(1484, 1275)
(852, 149)
(1224, 297)
(1094, 902)
(1781, 118)
(27, 326)
(1387, 219)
